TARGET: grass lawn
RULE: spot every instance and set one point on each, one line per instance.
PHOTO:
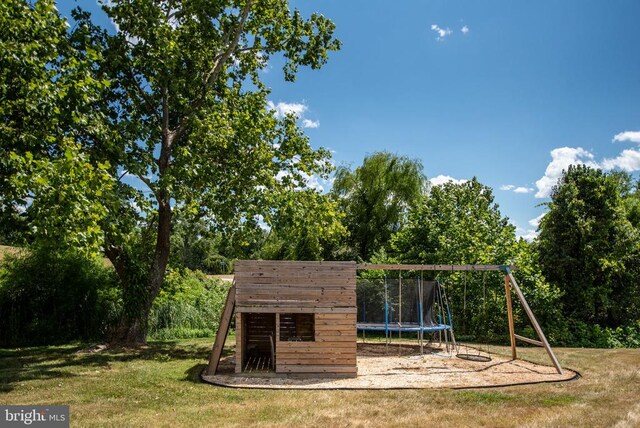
(160, 386)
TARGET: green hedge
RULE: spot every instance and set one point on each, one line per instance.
(49, 298)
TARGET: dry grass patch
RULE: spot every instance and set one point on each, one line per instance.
(6, 250)
(160, 386)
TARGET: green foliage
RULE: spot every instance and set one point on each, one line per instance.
(306, 227)
(194, 246)
(631, 200)
(47, 92)
(590, 250)
(173, 98)
(456, 223)
(593, 335)
(461, 224)
(67, 194)
(51, 297)
(189, 305)
(376, 197)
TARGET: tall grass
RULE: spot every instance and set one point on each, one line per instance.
(189, 306)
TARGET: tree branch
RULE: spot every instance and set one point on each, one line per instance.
(147, 101)
(149, 184)
(118, 259)
(219, 62)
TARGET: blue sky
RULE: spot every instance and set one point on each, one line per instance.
(525, 90)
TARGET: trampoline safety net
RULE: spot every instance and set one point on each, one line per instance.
(395, 305)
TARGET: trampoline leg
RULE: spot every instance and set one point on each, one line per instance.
(453, 340)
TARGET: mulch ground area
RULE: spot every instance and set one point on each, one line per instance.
(402, 366)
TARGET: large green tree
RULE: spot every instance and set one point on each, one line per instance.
(456, 223)
(461, 224)
(175, 99)
(375, 198)
(589, 249)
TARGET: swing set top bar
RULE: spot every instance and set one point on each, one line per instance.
(375, 266)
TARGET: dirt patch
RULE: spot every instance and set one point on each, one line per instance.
(403, 367)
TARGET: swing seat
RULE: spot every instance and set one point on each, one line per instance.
(474, 357)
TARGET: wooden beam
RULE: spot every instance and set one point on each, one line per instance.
(512, 337)
(531, 341)
(377, 266)
(296, 310)
(533, 320)
(223, 330)
(239, 344)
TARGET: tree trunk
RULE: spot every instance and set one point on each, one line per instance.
(133, 330)
(141, 289)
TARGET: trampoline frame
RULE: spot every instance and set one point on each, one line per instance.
(400, 327)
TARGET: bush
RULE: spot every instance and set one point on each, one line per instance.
(48, 297)
(188, 306)
(594, 336)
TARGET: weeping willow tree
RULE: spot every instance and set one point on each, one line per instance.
(376, 197)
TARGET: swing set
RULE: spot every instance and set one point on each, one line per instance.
(414, 305)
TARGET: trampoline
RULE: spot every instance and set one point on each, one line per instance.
(409, 327)
(401, 305)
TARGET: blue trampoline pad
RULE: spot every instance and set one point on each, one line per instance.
(402, 327)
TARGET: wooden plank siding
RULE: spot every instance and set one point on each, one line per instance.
(325, 289)
(333, 351)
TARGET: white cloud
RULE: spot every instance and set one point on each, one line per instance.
(527, 234)
(308, 123)
(442, 32)
(282, 109)
(522, 189)
(628, 160)
(441, 179)
(310, 180)
(281, 174)
(313, 181)
(534, 222)
(561, 158)
(297, 109)
(464, 30)
(633, 136)
(516, 189)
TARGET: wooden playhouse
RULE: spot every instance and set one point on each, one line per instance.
(292, 318)
(300, 318)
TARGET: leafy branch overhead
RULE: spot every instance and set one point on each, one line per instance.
(173, 98)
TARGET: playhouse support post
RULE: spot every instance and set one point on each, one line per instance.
(512, 333)
(239, 337)
(223, 331)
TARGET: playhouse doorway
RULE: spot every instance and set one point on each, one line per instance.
(259, 342)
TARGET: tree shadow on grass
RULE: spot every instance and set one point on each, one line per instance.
(193, 374)
(51, 362)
